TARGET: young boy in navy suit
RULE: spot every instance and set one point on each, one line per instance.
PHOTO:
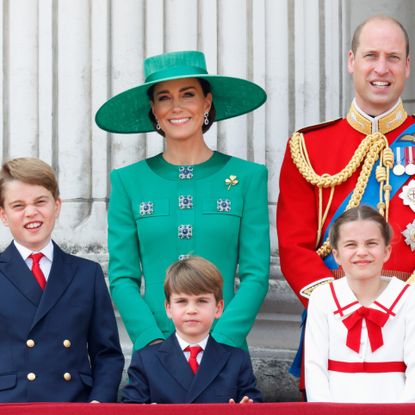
(190, 366)
(59, 338)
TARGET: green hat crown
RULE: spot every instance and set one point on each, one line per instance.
(128, 112)
(175, 64)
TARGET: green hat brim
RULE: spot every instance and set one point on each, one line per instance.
(128, 111)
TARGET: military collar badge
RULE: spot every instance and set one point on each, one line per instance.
(408, 195)
(409, 234)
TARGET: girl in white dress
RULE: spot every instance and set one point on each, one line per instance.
(360, 333)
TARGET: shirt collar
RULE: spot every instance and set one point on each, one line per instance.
(183, 343)
(348, 301)
(47, 251)
(383, 123)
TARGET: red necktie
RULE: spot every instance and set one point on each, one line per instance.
(194, 351)
(375, 320)
(37, 272)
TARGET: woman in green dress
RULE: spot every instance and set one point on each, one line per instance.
(188, 200)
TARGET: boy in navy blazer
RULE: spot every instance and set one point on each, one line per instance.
(169, 372)
(59, 338)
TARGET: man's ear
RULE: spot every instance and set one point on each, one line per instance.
(350, 62)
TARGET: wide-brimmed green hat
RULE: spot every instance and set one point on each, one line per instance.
(128, 111)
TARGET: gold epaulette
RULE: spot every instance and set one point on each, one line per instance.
(411, 279)
(318, 126)
(308, 289)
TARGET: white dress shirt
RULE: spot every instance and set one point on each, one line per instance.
(183, 344)
(45, 262)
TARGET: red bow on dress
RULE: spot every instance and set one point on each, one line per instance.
(375, 320)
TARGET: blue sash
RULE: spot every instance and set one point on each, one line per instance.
(371, 194)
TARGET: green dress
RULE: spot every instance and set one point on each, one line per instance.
(159, 212)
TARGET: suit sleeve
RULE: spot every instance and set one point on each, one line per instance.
(297, 230)
(247, 381)
(254, 253)
(137, 390)
(125, 268)
(316, 351)
(107, 360)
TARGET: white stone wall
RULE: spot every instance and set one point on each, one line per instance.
(63, 59)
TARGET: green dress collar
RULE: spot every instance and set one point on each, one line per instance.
(196, 171)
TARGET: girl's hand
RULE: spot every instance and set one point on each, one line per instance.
(245, 399)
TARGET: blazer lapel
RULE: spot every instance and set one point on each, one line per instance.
(14, 268)
(61, 275)
(214, 359)
(172, 358)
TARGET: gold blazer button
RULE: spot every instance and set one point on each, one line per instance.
(67, 343)
(67, 376)
(31, 376)
(30, 343)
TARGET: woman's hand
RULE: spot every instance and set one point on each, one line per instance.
(156, 341)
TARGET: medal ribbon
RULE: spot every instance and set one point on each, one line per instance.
(371, 195)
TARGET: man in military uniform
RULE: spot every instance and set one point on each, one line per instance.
(366, 158)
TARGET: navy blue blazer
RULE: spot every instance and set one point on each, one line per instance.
(160, 373)
(60, 344)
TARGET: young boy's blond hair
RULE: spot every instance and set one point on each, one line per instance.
(28, 170)
(194, 275)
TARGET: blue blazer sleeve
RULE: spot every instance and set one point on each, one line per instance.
(107, 360)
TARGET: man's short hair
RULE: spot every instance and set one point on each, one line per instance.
(358, 31)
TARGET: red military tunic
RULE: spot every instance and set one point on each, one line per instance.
(330, 147)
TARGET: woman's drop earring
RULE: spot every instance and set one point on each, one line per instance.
(206, 118)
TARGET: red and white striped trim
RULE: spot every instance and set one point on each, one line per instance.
(336, 300)
(340, 310)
